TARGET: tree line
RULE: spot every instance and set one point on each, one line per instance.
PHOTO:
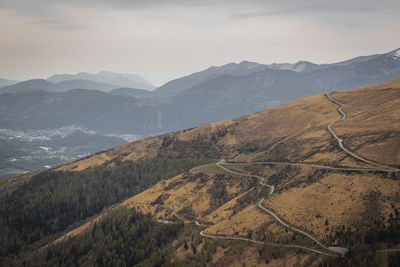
(124, 237)
(52, 201)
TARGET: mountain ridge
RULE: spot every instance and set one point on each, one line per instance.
(318, 188)
(118, 79)
(214, 94)
(6, 82)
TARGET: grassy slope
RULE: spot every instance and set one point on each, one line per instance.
(304, 197)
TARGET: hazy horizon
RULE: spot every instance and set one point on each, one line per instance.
(164, 40)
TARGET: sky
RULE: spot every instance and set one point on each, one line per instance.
(166, 39)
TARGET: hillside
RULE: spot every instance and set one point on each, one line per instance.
(214, 94)
(30, 86)
(45, 129)
(299, 120)
(231, 90)
(299, 184)
(86, 84)
(86, 108)
(139, 93)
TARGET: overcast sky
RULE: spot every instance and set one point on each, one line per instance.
(162, 39)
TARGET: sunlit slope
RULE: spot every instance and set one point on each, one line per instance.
(319, 187)
(372, 128)
(301, 123)
(230, 138)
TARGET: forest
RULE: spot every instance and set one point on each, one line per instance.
(124, 237)
(52, 202)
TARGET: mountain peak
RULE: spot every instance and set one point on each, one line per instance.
(304, 62)
(395, 53)
(238, 68)
(245, 62)
(303, 66)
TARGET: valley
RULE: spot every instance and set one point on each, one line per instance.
(29, 150)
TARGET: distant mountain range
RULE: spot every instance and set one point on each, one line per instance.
(214, 94)
(91, 109)
(117, 79)
(6, 82)
(102, 81)
(43, 85)
(139, 93)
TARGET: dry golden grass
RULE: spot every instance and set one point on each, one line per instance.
(295, 259)
(340, 198)
(300, 122)
(320, 141)
(95, 160)
(245, 258)
(248, 220)
(374, 133)
(223, 212)
(263, 127)
(79, 230)
(144, 148)
(218, 256)
(188, 198)
(186, 195)
(209, 169)
(239, 255)
(294, 132)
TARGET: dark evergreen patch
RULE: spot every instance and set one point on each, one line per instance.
(123, 238)
(52, 201)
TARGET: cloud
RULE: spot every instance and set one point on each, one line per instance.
(278, 6)
(42, 12)
(356, 14)
(169, 38)
(319, 8)
(57, 14)
(61, 24)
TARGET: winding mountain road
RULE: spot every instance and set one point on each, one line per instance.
(262, 179)
(338, 250)
(364, 110)
(340, 141)
(317, 166)
(288, 226)
(262, 243)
